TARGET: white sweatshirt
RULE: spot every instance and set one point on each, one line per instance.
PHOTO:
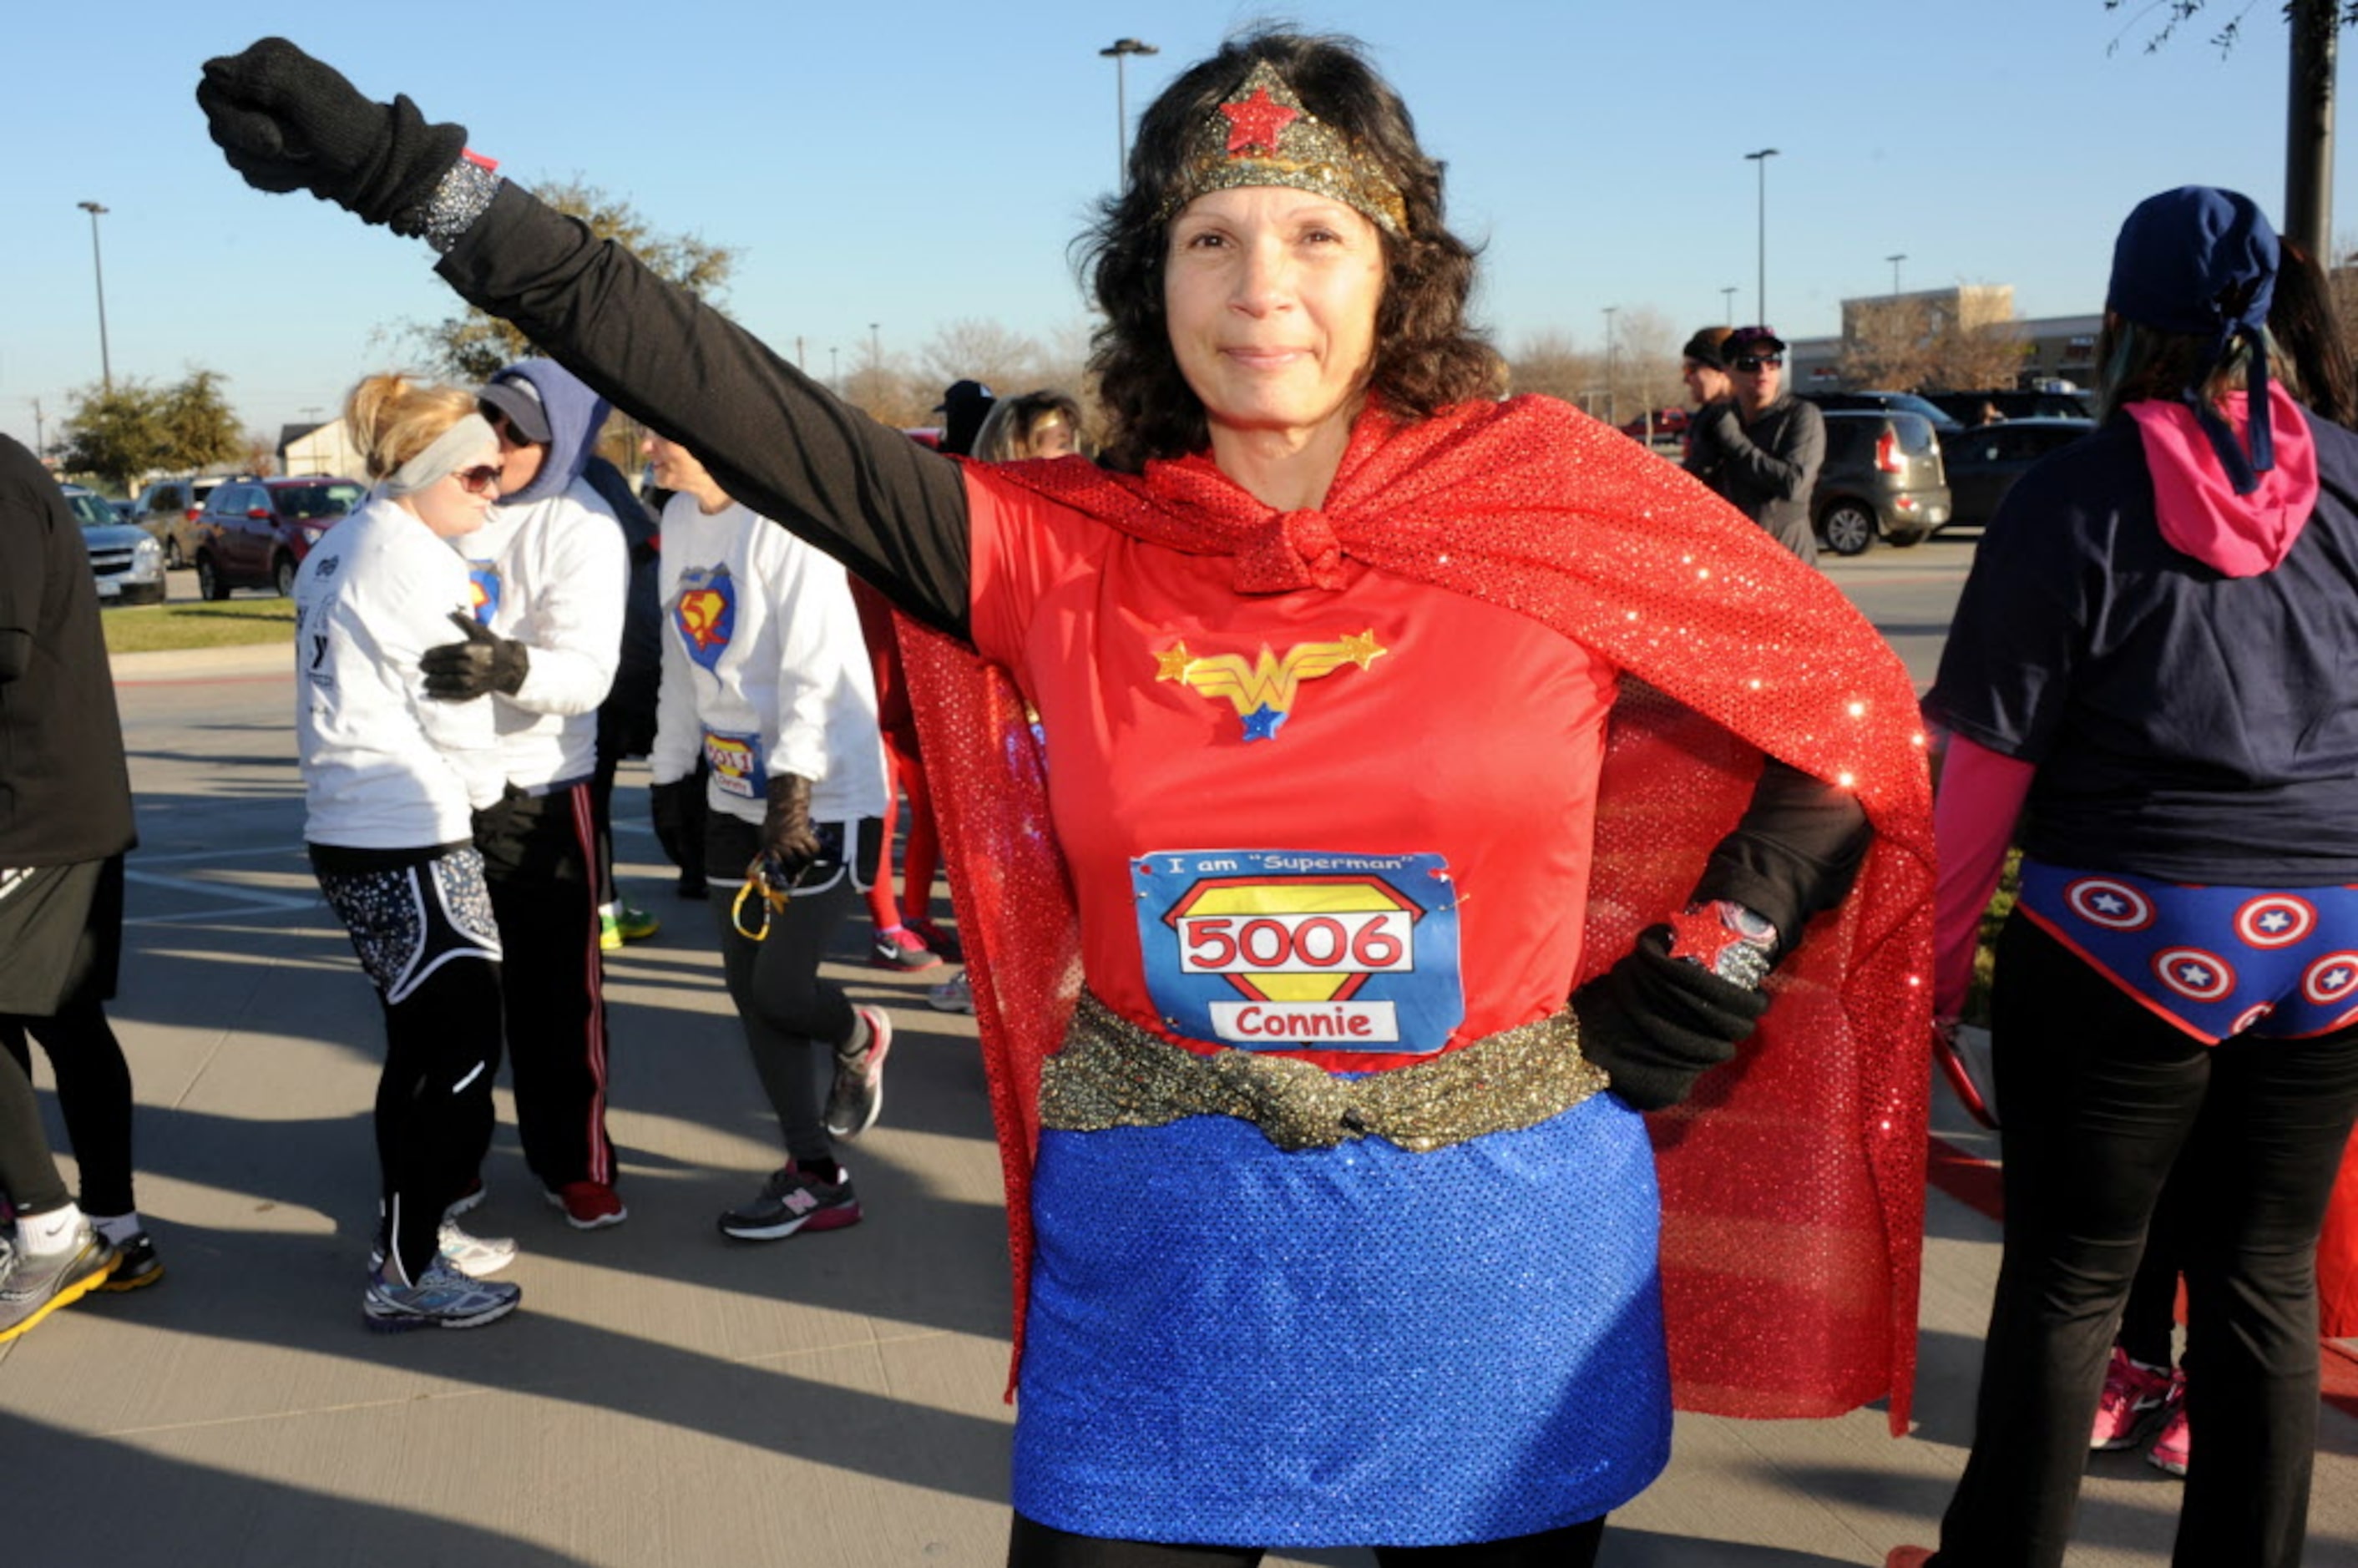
(553, 575)
(385, 765)
(764, 667)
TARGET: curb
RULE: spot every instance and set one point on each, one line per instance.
(177, 665)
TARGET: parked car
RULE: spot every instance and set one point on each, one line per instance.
(2013, 404)
(1984, 462)
(1669, 425)
(127, 565)
(1943, 422)
(169, 509)
(254, 533)
(1882, 475)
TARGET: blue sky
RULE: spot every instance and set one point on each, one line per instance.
(917, 163)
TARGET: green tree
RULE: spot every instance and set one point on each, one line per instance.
(121, 434)
(471, 347)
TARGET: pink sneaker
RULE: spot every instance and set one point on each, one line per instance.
(2170, 1450)
(2134, 1401)
(1909, 1557)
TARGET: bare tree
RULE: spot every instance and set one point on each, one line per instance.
(969, 348)
(1976, 358)
(1886, 343)
(1552, 364)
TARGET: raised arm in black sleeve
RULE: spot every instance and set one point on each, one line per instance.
(1795, 853)
(886, 507)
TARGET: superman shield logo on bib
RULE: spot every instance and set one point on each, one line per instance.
(1301, 950)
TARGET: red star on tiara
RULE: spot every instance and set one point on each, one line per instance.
(1256, 122)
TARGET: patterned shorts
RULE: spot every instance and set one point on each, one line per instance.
(408, 920)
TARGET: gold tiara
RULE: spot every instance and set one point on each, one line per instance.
(1263, 135)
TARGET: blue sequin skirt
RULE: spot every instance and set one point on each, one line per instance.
(1359, 1346)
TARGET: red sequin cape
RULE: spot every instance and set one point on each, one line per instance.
(1792, 1181)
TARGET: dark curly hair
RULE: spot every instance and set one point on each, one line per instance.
(1426, 356)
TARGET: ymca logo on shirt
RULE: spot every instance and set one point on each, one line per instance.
(704, 613)
(1295, 950)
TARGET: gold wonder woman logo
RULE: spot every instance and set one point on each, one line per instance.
(1263, 691)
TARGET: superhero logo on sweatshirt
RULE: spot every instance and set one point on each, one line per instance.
(484, 590)
(704, 613)
(1294, 949)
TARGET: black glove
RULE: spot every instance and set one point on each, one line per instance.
(789, 843)
(1657, 1023)
(669, 806)
(461, 672)
(287, 123)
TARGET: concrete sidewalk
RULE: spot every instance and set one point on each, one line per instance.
(665, 1396)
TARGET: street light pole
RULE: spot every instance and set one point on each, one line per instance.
(1119, 51)
(98, 271)
(1895, 261)
(1727, 306)
(1612, 411)
(1760, 296)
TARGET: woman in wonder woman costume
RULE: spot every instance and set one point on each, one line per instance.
(1425, 786)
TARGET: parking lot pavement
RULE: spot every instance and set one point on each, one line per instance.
(664, 1395)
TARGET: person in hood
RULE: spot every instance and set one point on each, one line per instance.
(2147, 668)
(1761, 447)
(551, 573)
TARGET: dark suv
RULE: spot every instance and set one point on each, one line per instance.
(254, 533)
(1882, 475)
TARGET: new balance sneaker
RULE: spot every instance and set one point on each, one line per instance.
(442, 1298)
(634, 924)
(793, 1200)
(2136, 1398)
(856, 1096)
(38, 1284)
(953, 995)
(946, 943)
(136, 1266)
(2170, 1450)
(587, 1206)
(902, 949)
(477, 1257)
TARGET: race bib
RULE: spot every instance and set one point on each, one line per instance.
(736, 764)
(1291, 949)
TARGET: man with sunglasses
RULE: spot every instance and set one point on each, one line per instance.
(1764, 446)
(550, 571)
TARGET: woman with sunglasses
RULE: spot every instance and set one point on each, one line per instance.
(1763, 446)
(392, 779)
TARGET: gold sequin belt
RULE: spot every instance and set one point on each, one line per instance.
(1112, 1073)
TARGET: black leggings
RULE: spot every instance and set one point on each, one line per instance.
(28, 1174)
(1034, 1545)
(93, 1091)
(2103, 1099)
(793, 1021)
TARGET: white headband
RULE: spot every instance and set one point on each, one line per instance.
(453, 446)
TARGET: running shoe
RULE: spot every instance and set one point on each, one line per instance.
(2136, 1398)
(946, 943)
(588, 1206)
(692, 887)
(38, 1284)
(609, 930)
(477, 1257)
(856, 1096)
(953, 995)
(634, 924)
(138, 1266)
(1909, 1557)
(793, 1200)
(442, 1298)
(2170, 1450)
(902, 949)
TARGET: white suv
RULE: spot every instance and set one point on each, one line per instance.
(126, 562)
